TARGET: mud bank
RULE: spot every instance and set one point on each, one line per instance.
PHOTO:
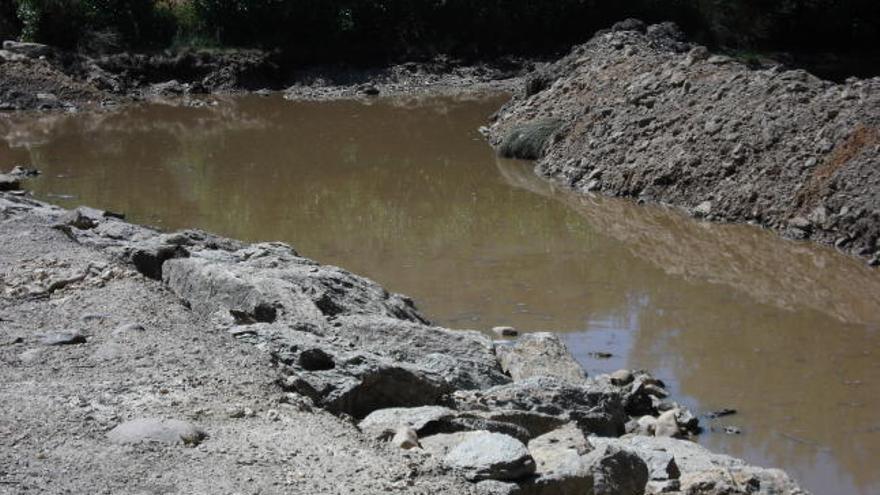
(639, 112)
(136, 360)
(38, 77)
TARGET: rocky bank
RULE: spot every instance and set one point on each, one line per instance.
(138, 361)
(640, 112)
(39, 77)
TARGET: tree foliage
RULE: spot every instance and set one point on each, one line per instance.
(371, 29)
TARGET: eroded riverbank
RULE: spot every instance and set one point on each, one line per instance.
(406, 192)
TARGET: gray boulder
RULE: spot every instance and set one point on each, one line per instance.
(485, 455)
(465, 358)
(156, 430)
(265, 282)
(691, 467)
(382, 422)
(431, 420)
(595, 408)
(559, 457)
(616, 471)
(539, 354)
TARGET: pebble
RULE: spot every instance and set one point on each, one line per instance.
(505, 331)
(128, 328)
(156, 430)
(621, 377)
(720, 413)
(63, 338)
(405, 438)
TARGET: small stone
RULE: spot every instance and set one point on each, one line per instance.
(406, 438)
(732, 430)
(63, 338)
(646, 425)
(369, 90)
(621, 377)
(703, 209)
(30, 356)
(156, 430)
(505, 331)
(128, 328)
(273, 415)
(667, 424)
(24, 172)
(720, 413)
(235, 412)
(800, 223)
(9, 183)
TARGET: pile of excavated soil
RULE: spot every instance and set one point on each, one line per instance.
(639, 112)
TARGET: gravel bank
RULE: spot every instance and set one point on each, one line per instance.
(639, 112)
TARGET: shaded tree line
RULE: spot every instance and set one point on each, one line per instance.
(370, 30)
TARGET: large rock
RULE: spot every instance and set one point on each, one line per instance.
(539, 354)
(561, 468)
(383, 422)
(595, 408)
(432, 420)
(156, 430)
(265, 282)
(465, 358)
(616, 471)
(485, 455)
(696, 470)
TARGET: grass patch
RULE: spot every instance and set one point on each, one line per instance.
(526, 141)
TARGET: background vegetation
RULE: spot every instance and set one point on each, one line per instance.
(360, 30)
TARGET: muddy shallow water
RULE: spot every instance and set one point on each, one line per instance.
(408, 193)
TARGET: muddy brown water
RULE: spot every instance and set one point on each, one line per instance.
(405, 191)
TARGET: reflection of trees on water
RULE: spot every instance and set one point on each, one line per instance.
(774, 328)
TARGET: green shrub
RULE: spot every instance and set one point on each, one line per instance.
(68, 23)
(376, 30)
(526, 141)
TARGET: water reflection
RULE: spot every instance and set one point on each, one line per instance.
(406, 192)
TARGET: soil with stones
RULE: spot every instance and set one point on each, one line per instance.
(39, 77)
(640, 112)
(137, 361)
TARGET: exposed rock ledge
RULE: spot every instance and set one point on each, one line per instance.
(99, 403)
(639, 112)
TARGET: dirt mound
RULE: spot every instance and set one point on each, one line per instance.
(646, 115)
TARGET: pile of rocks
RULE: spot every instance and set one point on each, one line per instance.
(639, 112)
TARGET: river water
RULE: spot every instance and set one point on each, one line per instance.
(406, 192)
